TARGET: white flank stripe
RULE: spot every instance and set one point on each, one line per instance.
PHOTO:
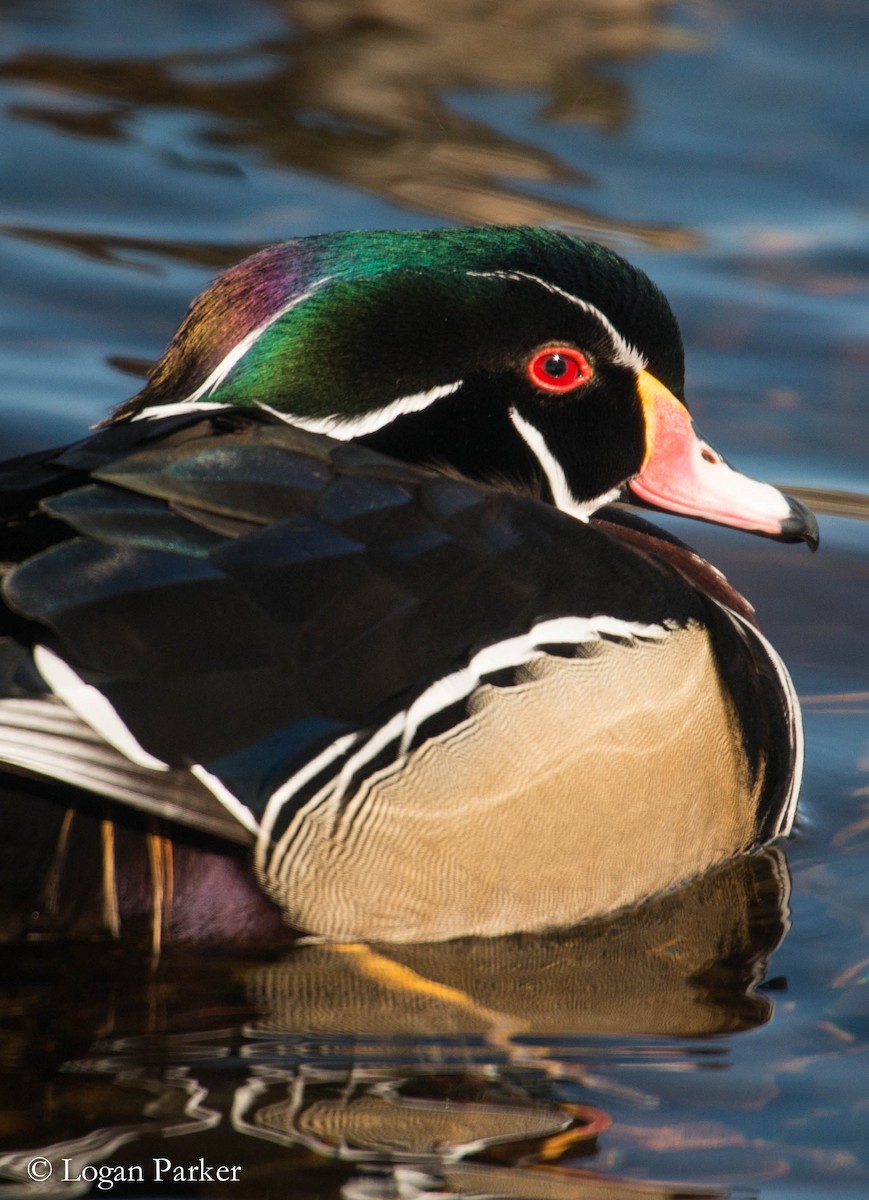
(378, 741)
(624, 353)
(514, 652)
(291, 844)
(346, 428)
(230, 802)
(93, 708)
(278, 798)
(561, 493)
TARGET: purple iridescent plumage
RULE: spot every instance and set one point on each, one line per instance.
(241, 300)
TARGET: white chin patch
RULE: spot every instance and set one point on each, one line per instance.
(561, 493)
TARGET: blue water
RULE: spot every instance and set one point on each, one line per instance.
(722, 146)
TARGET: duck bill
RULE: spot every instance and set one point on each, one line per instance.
(683, 474)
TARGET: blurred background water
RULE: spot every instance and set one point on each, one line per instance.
(714, 1046)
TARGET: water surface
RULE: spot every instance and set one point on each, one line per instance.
(711, 1044)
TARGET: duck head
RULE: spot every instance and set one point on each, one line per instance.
(522, 356)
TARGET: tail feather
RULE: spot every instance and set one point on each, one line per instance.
(41, 737)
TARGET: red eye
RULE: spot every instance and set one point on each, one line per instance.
(559, 369)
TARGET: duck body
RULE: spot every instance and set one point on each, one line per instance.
(330, 588)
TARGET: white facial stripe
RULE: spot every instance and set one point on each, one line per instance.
(176, 410)
(93, 708)
(536, 443)
(624, 353)
(238, 351)
(194, 401)
(588, 508)
(342, 428)
(561, 493)
(346, 428)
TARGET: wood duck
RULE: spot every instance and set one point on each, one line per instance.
(344, 583)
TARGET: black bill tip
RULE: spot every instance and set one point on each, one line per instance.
(800, 525)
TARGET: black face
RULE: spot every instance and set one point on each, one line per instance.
(547, 389)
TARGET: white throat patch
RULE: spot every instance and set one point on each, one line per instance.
(561, 493)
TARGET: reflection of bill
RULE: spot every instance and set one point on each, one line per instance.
(369, 93)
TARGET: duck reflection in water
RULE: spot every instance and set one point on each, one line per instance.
(472, 1067)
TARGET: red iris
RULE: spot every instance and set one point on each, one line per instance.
(559, 369)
